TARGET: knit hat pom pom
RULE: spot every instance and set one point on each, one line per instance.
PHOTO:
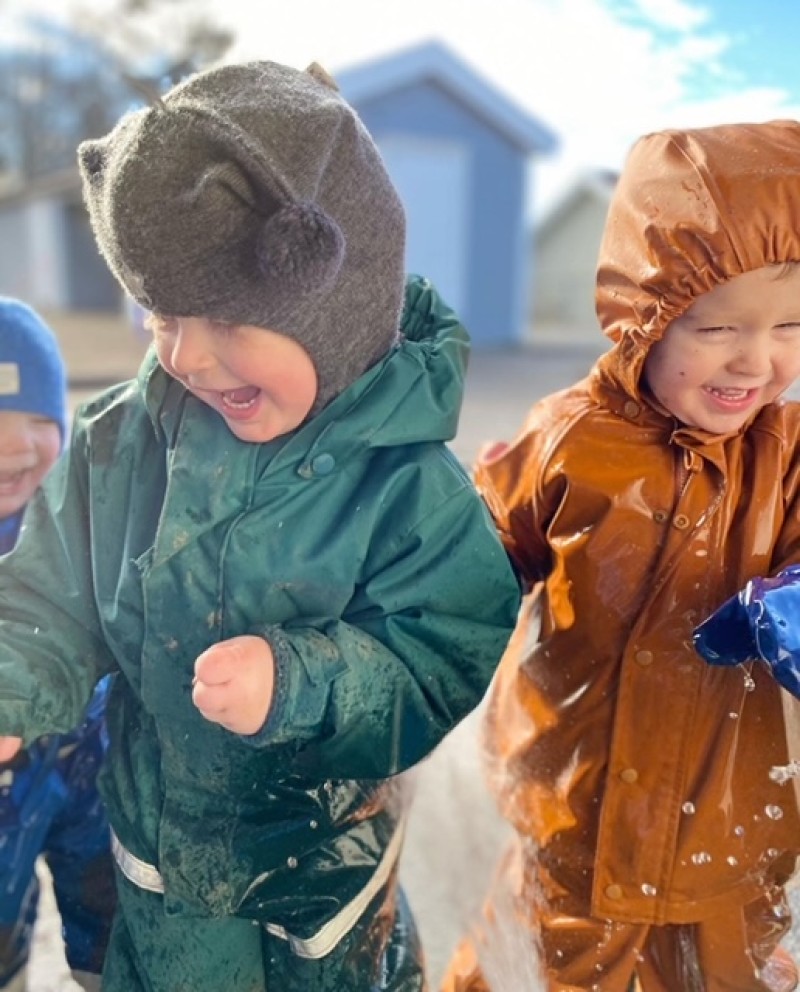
(301, 246)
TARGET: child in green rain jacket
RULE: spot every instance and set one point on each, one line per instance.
(265, 535)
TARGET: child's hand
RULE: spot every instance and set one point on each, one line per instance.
(9, 747)
(233, 684)
(491, 451)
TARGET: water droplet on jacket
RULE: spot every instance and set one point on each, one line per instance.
(782, 773)
(701, 858)
(739, 831)
(688, 808)
(732, 861)
(773, 812)
(749, 682)
(291, 862)
(649, 890)
(313, 824)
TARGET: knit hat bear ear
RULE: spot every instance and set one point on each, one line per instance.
(322, 76)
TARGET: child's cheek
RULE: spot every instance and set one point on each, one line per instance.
(50, 447)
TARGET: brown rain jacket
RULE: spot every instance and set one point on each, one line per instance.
(641, 772)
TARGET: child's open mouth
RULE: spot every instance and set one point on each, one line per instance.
(241, 404)
(732, 397)
(241, 399)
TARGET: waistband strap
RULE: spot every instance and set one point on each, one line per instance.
(139, 872)
(318, 945)
(324, 940)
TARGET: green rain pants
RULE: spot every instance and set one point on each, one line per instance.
(151, 952)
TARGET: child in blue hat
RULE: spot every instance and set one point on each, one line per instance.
(49, 803)
(32, 411)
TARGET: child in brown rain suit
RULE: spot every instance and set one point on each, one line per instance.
(651, 841)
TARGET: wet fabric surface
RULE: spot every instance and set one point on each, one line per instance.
(561, 948)
(156, 953)
(49, 805)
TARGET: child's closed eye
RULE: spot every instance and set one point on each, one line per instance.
(223, 327)
(716, 329)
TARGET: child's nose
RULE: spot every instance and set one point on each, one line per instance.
(191, 350)
(754, 357)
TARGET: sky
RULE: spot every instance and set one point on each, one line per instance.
(598, 73)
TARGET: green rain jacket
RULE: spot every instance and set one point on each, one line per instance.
(356, 546)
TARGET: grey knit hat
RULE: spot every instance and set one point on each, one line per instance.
(253, 194)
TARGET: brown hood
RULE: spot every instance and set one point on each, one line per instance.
(692, 209)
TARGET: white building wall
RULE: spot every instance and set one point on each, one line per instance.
(565, 267)
(46, 243)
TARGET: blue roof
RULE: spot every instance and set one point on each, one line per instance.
(433, 62)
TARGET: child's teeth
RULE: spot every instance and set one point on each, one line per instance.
(240, 398)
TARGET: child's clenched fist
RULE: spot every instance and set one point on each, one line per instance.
(233, 683)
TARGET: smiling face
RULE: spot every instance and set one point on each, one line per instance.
(735, 349)
(29, 445)
(263, 384)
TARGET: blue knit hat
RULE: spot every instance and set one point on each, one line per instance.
(32, 375)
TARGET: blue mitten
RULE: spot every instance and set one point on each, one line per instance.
(761, 622)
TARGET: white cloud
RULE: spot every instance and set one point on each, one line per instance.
(673, 14)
